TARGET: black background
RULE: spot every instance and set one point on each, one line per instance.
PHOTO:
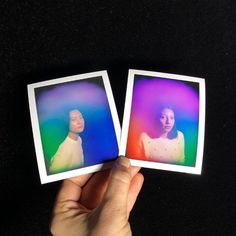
(42, 40)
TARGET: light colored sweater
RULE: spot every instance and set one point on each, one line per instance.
(68, 156)
(163, 149)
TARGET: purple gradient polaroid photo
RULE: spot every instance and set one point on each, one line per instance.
(164, 120)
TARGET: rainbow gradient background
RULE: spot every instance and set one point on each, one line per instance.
(54, 102)
(151, 93)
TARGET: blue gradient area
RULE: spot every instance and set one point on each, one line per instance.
(99, 143)
(53, 106)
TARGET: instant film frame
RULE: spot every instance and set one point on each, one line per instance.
(50, 103)
(146, 93)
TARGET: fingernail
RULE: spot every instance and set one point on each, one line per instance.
(123, 161)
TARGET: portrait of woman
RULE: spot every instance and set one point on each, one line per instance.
(169, 145)
(163, 124)
(68, 115)
(69, 155)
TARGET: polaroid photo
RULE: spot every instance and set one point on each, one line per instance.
(164, 121)
(75, 125)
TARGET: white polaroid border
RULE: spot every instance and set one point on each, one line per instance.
(201, 130)
(36, 132)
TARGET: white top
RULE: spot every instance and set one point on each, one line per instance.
(163, 149)
(68, 156)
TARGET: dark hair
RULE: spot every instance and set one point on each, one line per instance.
(173, 133)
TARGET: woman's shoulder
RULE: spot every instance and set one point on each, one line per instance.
(144, 136)
(180, 134)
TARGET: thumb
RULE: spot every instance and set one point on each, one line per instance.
(117, 191)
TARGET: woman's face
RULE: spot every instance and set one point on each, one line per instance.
(76, 121)
(167, 120)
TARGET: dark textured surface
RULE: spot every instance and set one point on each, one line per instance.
(41, 40)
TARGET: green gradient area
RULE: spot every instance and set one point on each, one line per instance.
(52, 134)
(191, 150)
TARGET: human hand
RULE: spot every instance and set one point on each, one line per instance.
(99, 204)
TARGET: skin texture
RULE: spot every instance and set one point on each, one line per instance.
(167, 121)
(76, 124)
(99, 204)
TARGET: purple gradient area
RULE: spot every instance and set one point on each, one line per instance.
(149, 95)
(68, 96)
